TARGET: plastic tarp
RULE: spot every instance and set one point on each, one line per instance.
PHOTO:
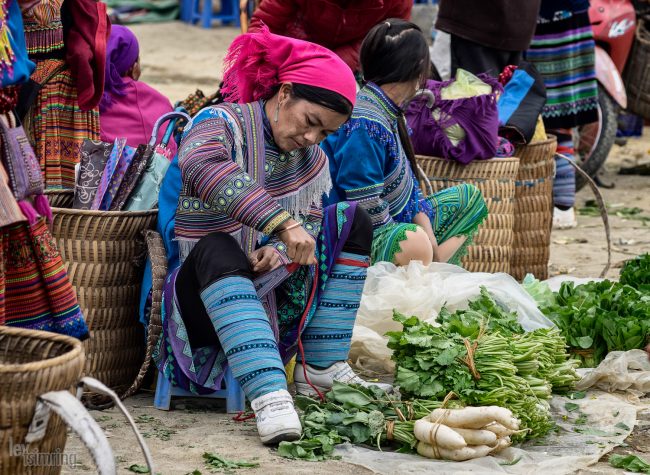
(607, 420)
(620, 371)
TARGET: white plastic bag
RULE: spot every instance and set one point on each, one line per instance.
(423, 291)
(620, 371)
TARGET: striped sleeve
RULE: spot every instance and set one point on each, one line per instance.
(209, 173)
(360, 173)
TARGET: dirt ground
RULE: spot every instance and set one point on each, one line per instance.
(177, 59)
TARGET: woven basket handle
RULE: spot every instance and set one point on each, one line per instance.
(102, 389)
(173, 116)
(426, 180)
(77, 418)
(601, 205)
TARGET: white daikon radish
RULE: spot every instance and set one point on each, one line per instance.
(477, 436)
(502, 444)
(499, 430)
(474, 417)
(438, 434)
(458, 455)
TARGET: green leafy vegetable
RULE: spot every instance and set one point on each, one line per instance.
(512, 462)
(599, 317)
(216, 461)
(359, 415)
(540, 291)
(631, 463)
(576, 395)
(135, 468)
(636, 273)
(484, 356)
(591, 209)
(571, 406)
(622, 425)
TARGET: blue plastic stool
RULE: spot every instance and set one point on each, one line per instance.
(233, 394)
(191, 12)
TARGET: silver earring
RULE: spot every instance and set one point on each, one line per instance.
(277, 113)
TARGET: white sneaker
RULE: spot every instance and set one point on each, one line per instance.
(323, 379)
(276, 417)
(564, 219)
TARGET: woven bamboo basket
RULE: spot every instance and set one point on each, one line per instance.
(495, 178)
(533, 209)
(104, 255)
(33, 363)
(60, 198)
(637, 72)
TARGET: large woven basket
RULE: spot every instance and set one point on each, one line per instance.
(533, 209)
(104, 253)
(60, 198)
(496, 180)
(637, 72)
(33, 363)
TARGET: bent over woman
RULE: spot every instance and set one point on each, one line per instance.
(266, 272)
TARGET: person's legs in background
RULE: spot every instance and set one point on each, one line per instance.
(564, 185)
(476, 58)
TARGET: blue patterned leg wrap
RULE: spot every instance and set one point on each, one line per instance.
(245, 335)
(326, 339)
(564, 186)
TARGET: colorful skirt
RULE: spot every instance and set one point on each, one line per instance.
(292, 296)
(35, 292)
(563, 51)
(456, 211)
(57, 125)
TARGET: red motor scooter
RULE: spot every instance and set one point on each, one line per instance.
(613, 23)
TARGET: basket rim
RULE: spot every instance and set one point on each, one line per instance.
(488, 161)
(75, 351)
(88, 212)
(550, 138)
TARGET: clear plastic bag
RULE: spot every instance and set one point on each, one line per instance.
(423, 291)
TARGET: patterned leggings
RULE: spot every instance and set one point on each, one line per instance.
(219, 304)
(456, 211)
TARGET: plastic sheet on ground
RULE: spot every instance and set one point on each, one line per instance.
(423, 291)
(620, 371)
(609, 421)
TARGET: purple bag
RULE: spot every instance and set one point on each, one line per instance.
(428, 115)
(24, 171)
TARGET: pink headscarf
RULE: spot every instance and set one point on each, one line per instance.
(256, 62)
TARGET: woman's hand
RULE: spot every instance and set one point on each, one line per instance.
(300, 244)
(264, 259)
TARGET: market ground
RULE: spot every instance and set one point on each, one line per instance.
(178, 59)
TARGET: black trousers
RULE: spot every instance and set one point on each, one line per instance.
(476, 58)
(219, 255)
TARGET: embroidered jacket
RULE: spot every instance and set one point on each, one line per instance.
(368, 163)
(235, 177)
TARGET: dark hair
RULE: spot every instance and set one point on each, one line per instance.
(323, 97)
(396, 51)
